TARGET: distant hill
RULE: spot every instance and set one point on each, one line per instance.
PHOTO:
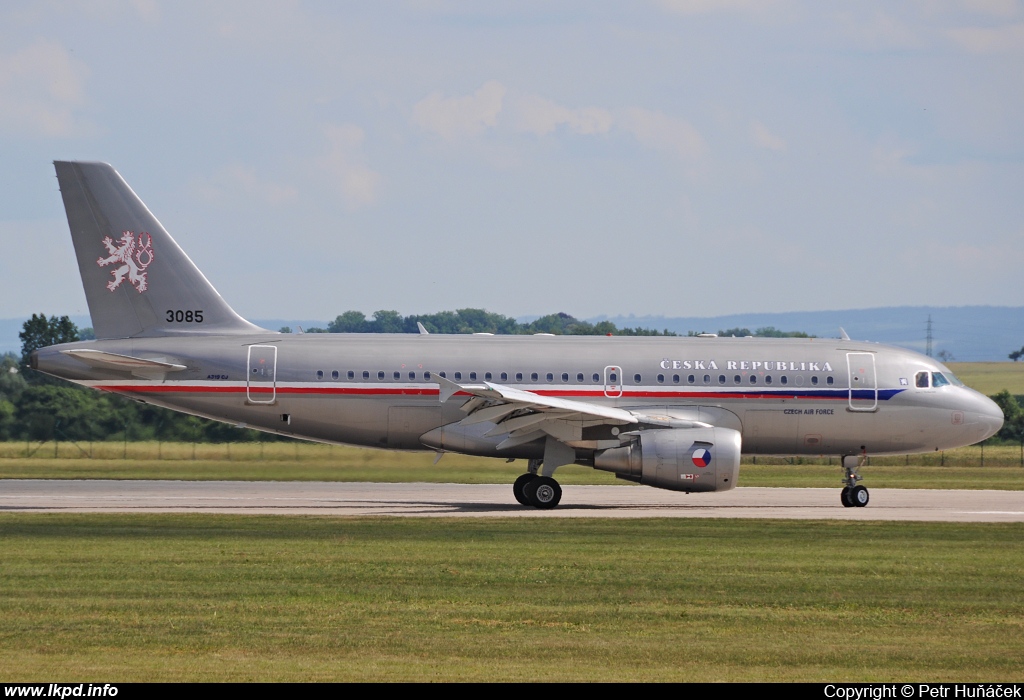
(969, 333)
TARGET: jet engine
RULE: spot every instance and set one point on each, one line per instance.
(678, 459)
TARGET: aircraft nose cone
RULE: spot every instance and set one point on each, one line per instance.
(991, 417)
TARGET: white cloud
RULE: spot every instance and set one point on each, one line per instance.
(880, 31)
(40, 87)
(660, 132)
(1006, 39)
(765, 138)
(541, 116)
(345, 163)
(238, 180)
(758, 8)
(995, 8)
(455, 117)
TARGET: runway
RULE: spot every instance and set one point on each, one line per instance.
(347, 499)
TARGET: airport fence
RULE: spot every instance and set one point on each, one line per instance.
(1003, 455)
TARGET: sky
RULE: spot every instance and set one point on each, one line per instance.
(672, 157)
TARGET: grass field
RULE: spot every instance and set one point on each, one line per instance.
(991, 377)
(311, 462)
(205, 598)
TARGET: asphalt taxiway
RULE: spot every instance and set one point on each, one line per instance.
(494, 500)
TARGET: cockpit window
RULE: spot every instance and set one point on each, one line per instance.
(939, 380)
(954, 380)
(921, 380)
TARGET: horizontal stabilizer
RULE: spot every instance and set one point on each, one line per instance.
(122, 363)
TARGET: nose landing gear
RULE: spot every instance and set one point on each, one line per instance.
(854, 495)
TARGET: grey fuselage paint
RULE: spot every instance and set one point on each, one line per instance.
(785, 396)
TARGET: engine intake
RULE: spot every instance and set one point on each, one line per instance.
(680, 459)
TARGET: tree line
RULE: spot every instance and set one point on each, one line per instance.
(473, 321)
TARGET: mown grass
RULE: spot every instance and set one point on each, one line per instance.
(205, 598)
(311, 462)
(991, 377)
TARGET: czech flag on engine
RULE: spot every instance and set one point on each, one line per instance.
(701, 457)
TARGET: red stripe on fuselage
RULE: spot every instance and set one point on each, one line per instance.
(382, 391)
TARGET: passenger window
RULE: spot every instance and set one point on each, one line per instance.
(398, 375)
(351, 374)
(675, 378)
(472, 376)
(921, 380)
(707, 378)
(550, 377)
(442, 374)
(519, 376)
(939, 380)
(661, 378)
(458, 376)
(753, 379)
(736, 379)
(504, 376)
(814, 380)
(412, 376)
(613, 377)
(335, 375)
(426, 375)
(380, 375)
(534, 376)
(366, 374)
(636, 379)
(487, 376)
(784, 379)
(767, 379)
(597, 378)
(565, 376)
(830, 381)
(319, 374)
(721, 379)
(799, 380)
(691, 379)
(579, 377)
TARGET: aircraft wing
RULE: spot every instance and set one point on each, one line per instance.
(527, 416)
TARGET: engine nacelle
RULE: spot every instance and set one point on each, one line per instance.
(678, 459)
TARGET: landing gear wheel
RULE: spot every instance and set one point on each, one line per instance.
(859, 496)
(543, 492)
(519, 485)
(845, 498)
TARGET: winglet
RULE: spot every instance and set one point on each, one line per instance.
(423, 331)
(842, 334)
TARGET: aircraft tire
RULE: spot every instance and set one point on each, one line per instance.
(519, 485)
(859, 496)
(543, 492)
(845, 498)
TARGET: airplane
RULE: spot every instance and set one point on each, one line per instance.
(669, 412)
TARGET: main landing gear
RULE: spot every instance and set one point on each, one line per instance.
(531, 489)
(854, 495)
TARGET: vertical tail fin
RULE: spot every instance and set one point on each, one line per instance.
(138, 282)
